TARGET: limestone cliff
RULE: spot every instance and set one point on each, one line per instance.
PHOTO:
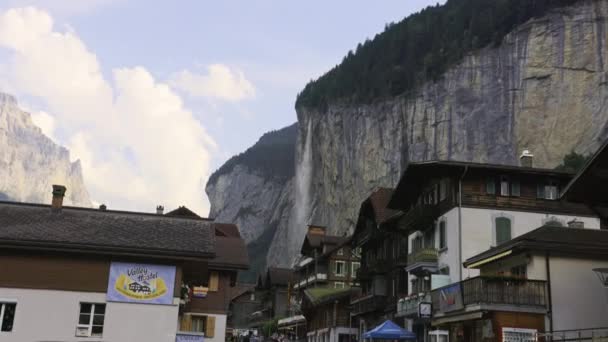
(255, 191)
(544, 88)
(30, 162)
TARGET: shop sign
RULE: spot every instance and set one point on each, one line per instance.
(181, 337)
(141, 283)
(450, 298)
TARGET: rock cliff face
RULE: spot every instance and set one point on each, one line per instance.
(544, 88)
(30, 162)
(255, 191)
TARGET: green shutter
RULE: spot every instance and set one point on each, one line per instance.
(491, 186)
(503, 230)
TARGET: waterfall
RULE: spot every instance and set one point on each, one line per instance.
(302, 205)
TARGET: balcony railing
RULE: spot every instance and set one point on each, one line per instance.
(419, 217)
(367, 303)
(408, 307)
(422, 258)
(319, 277)
(492, 291)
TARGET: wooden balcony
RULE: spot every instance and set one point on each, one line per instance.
(422, 260)
(367, 303)
(419, 217)
(492, 293)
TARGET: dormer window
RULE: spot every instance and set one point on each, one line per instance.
(548, 190)
(504, 186)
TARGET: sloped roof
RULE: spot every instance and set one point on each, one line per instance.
(241, 289)
(230, 252)
(227, 229)
(34, 226)
(318, 240)
(379, 200)
(574, 241)
(322, 295)
(184, 212)
(590, 185)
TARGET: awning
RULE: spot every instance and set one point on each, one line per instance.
(291, 321)
(389, 331)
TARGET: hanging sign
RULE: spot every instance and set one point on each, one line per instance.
(141, 283)
(199, 291)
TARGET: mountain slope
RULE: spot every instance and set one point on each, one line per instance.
(30, 162)
(254, 190)
(544, 87)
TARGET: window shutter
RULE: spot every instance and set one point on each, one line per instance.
(186, 323)
(214, 281)
(515, 188)
(503, 230)
(210, 328)
(490, 186)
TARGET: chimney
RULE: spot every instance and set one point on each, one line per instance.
(103, 207)
(526, 159)
(576, 224)
(159, 210)
(58, 193)
(318, 230)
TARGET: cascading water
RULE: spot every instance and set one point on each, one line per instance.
(302, 208)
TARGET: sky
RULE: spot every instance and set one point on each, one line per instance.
(152, 96)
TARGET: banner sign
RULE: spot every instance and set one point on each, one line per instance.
(181, 337)
(141, 283)
(450, 298)
(199, 291)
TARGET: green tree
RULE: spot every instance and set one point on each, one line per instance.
(573, 162)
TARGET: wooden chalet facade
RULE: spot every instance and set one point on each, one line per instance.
(207, 308)
(327, 261)
(62, 268)
(452, 211)
(381, 277)
(327, 314)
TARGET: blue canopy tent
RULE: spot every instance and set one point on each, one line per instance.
(389, 331)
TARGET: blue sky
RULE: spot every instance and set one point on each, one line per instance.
(228, 71)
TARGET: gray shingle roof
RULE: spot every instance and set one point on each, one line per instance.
(30, 225)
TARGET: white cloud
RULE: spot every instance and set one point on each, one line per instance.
(220, 82)
(46, 122)
(139, 146)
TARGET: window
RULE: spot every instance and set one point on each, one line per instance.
(503, 230)
(340, 252)
(442, 235)
(355, 268)
(504, 186)
(515, 188)
(252, 296)
(429, 238)
(548, 190)
(198, 323)
(7, 316)
(90, 320)
(519, 271)
(214, 280)
(338, 285)
(340, 268)
(490, 186)
(443, 189)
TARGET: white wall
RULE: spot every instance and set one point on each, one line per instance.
(579, 299)
(47, 315)
(478, 235)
